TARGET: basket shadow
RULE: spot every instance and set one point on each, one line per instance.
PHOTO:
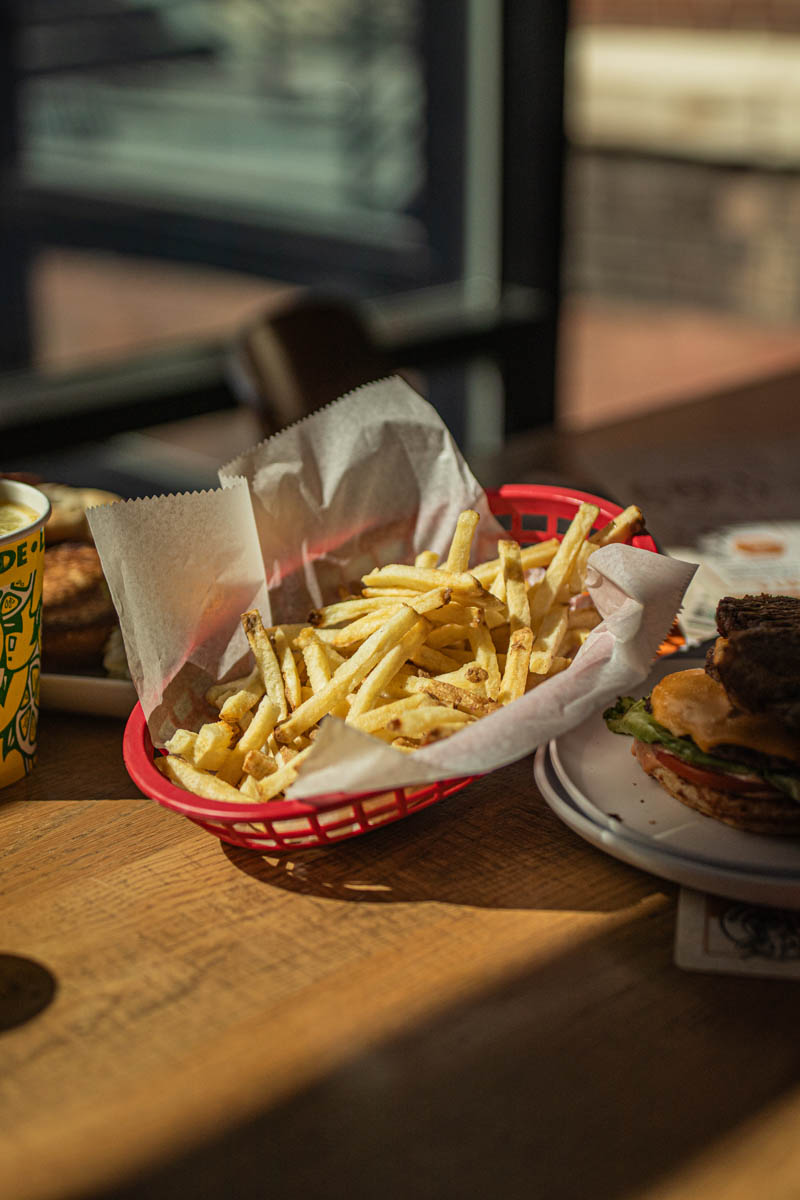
(495, 844)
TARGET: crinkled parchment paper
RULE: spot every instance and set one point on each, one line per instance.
(372, 479)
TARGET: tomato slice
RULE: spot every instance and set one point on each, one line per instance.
(749, 785)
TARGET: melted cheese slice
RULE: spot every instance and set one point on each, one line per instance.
(692, 703)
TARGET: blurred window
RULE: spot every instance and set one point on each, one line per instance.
(269, 139)
(172, 166)
(306, 114)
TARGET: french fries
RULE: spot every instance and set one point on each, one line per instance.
(620, 529)
(515, 673)
(424, 651)
(516, 595)
(266, 661)
(461, 545)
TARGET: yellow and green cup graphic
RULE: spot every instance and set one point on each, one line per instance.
(23, 512)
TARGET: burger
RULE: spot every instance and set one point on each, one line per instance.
(80, 630)
(78, 615)
(724, 739)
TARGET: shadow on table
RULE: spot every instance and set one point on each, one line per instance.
(495, 844)
(564, 1081)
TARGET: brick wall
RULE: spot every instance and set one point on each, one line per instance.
(683, 233)
(645, 225)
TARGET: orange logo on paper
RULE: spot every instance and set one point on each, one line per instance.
(20, 617)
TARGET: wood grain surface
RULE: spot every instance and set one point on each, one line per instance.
(472, 1002)
(474, 990)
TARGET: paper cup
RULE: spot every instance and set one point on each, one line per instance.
(21, 570)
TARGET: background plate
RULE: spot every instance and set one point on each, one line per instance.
(97, 695)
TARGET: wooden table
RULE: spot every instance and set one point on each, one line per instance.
(472, 1002)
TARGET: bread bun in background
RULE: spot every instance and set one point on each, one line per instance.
(67, 522)
(77, 613)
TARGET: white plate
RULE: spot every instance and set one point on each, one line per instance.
(87, 694)
(756, 887)
(597, 770)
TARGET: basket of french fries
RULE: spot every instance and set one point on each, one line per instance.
(423, 650)
(351, 628)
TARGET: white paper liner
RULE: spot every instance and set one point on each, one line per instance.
(371, 479)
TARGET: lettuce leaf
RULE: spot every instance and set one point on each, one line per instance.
(630, 717)
(784, 783)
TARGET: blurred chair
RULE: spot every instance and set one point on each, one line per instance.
(301, 357)
(298, 357)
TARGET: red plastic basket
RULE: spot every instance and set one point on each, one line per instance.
(531, 513)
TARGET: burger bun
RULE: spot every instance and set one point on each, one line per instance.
(67, 521)
(753, 814)
(78, 615)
